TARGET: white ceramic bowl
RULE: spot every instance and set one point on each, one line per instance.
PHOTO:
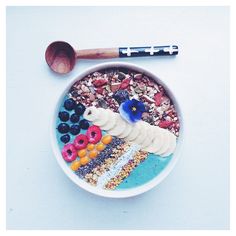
(113, 193)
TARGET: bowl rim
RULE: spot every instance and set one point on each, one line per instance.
(126, 192)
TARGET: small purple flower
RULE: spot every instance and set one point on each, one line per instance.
(132, 110)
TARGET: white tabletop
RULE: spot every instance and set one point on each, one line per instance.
(196, 194)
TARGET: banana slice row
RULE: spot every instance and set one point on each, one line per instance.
(151, 138)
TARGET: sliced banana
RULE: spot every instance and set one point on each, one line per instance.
(126, 132)
(91, 114)
(165, 144)
(133, 134)
(103, 117)
(119, 127)
(150, 135)
(172, 145)
(142, 133)
(156, 142)
(111, 120)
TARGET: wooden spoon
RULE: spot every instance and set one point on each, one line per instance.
(61, 56)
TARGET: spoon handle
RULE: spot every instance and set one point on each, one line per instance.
(99, 53)
(104, 53)
(148, 51)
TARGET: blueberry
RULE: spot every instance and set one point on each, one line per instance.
(84, 124)
(63, 128)
(65, 138)
(74, 129)
(121, 96)
(69, 104)
(64, 116)
(79, 109)
(74, 118)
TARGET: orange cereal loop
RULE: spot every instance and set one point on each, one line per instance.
(90, 146)
(100, 147)
(106, 139)
(84, 160)
(82, 153)
(93, 154)
(75, 165)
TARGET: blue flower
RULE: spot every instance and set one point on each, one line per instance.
(132, 110)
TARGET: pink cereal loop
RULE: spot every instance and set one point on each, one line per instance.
(69, 152)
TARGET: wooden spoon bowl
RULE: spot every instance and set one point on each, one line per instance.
(61, 57)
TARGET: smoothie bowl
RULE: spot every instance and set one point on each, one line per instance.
(117, 130)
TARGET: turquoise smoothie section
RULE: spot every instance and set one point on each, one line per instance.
(145, 171)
